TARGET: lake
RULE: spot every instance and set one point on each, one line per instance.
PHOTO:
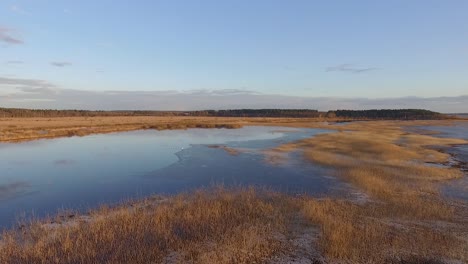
(43, 176)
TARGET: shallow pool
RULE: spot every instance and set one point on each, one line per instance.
(40, 177)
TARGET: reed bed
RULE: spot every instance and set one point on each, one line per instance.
(405, 216)
(220, 226)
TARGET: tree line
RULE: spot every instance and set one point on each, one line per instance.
(401, 114)
(258, 113)
(20, 112)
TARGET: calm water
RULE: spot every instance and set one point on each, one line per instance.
(42, 176)
(458, 188)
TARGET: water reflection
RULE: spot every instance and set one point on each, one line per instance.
(64, 162)
(12, 189)
(457, 189)
(82, 172)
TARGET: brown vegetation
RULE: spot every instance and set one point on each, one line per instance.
(204, 227)
(405, 216)
(22, 129)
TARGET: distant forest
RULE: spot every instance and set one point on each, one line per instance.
(402, 114)
(389, 114)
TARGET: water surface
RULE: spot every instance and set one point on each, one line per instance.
(458, 188)
(42, 176)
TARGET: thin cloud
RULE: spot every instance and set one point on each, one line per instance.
(31, 100)
(6, 37)
(221, 92)
(232, 92)
(60, 63)
(31, 83)
(14, 62)
(35, 90)
(212, 99)
(349, 68)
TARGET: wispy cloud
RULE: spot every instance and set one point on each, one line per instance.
(221, 92)
(7, 37)
(38, 90)
(14, 62)
(30, 83)
(351, 68)
(60, 63)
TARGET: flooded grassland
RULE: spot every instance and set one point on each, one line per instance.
(395, 208)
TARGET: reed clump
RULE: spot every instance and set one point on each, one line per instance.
(221, 226)
(366, 234)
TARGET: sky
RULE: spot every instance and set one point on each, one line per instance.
(192, 54)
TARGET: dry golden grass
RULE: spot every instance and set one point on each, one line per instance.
(22, 129)
(381, 160)
(361, 234)
(227, 226)
(236, 226)
(391, 166)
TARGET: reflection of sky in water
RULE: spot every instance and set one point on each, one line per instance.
(457, 188)
(85, 171)
(12, 188)
(458, 130)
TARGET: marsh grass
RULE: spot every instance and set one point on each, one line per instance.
(23, 129)
(227, 226)
(403, 218)
(378, 163)
(235, 226)
(366, 234)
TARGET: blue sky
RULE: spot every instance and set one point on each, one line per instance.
(302, 48)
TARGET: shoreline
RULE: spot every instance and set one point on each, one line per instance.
(27, 129)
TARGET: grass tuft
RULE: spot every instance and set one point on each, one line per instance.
(235, 226)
